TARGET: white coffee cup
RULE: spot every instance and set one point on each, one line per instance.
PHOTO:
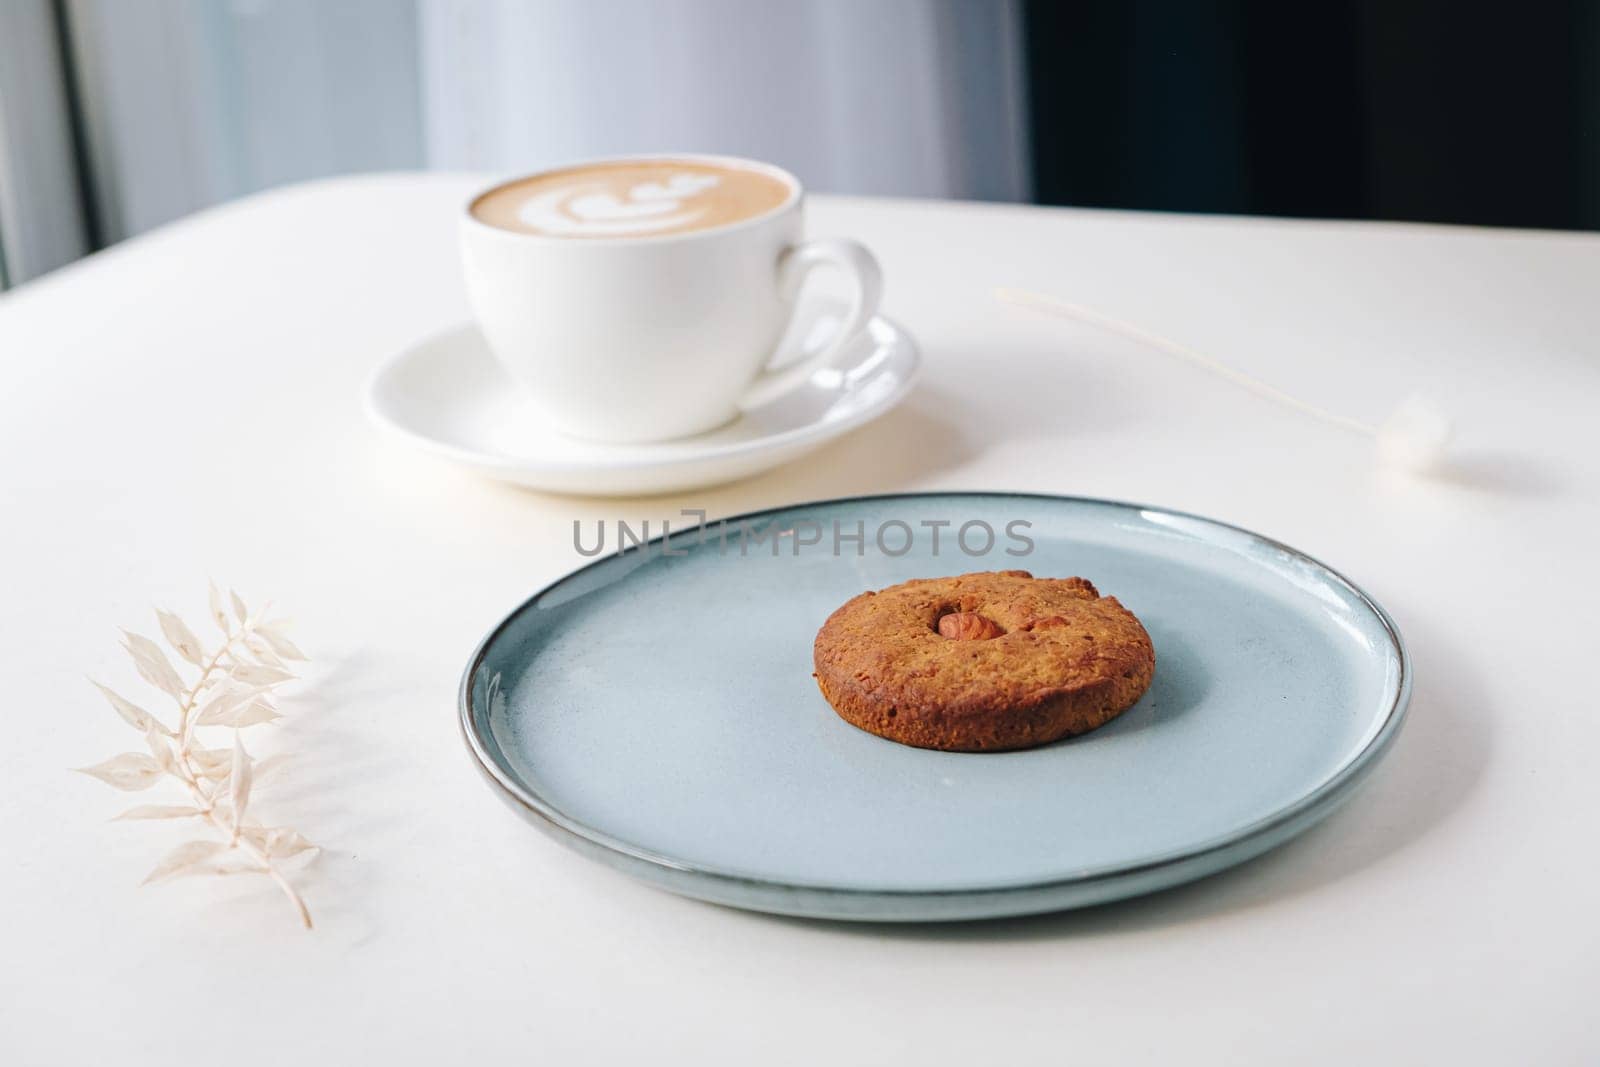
(646, 336)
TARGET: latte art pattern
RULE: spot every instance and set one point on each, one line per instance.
(596, 210)
(643, 199)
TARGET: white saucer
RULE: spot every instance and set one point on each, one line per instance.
(449, 395)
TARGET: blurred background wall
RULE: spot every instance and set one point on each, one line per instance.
(191, 102)
(119, 115)
(890, 97)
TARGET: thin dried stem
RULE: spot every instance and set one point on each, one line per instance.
(1068, 310)
(208, 811)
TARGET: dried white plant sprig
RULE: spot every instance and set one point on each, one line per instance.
(1414, 437)
(233, 689)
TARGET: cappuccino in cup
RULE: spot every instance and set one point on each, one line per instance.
(631, 199)
(641, 299)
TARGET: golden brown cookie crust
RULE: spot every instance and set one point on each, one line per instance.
(1017, 661)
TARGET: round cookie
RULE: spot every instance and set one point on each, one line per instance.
(982, 662)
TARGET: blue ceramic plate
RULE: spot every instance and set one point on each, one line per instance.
(656, 711)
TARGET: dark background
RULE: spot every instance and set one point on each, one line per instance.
(1412, 109)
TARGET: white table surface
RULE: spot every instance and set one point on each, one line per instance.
(187, 404)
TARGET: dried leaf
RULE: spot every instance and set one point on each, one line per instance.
(279, 842)
(165, 758)
(131, 713)
(256, 713)
(153, 665)
(215, 763)
(267, 769)
(252, 714)
(280, 644)
(234, 863)
(180, 637)
(218, 615)
(239, 782)
(157, 811)
(285, 842)
(263, 653)
(260, 674)
(239, 610)
(131, 771)
(223, 701)
(188, 858)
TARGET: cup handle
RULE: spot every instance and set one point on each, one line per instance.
(794, 265)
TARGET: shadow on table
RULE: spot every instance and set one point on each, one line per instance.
(913, 441)
(1433, 767)
(330, 785)
(1502, 473)
(905, 446)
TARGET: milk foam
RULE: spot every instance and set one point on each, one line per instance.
(632, 198)
(589, 208)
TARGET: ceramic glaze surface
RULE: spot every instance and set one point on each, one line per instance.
(662, 708)
(450, 396)
(642, 338)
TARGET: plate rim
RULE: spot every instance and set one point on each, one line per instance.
(893, 904)
(808, 433)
